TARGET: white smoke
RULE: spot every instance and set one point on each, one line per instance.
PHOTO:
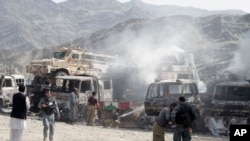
(150, 58)
(148, 48)
(240, 65)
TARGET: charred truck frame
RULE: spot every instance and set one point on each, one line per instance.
(161, 94)
(230, 105)
(8, 87)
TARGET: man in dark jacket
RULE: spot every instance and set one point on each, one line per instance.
(49, 107)
(182, 116)
(21, 105)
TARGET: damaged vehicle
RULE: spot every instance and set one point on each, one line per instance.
(230, 105)
(64, 85)
(163, 93)
(8, 87)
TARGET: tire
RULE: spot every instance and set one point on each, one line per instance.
(61, 73)
(3, 109)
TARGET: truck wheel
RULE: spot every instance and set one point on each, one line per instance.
(3, 109)
(61, 73)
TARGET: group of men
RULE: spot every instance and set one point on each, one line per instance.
(181, 115)
(50, 111)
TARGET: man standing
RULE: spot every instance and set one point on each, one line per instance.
(49, 107)
(73, 105)
(161, 123)
(92, 106)
(183, 115)
(18, 115)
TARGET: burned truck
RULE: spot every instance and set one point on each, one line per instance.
(8, 87)
(161, 94)
(176, 76)
(230, 105)
(63, 86)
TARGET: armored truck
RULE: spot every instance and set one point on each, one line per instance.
(65, 61)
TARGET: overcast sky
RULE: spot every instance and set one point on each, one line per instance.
(203, 4)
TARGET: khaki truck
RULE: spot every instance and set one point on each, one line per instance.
(65, 61)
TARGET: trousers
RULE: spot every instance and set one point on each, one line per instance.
(91, 115)
(16, 134)
(158, 132)
(48, 123)
(182, 133)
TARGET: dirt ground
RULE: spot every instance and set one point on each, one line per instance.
(81, 132)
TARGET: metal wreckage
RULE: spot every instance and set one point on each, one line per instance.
(88, 72)
(140, 103)
(230, 104)
(9, 82)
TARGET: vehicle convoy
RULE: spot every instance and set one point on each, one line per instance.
(8, 87)
(230, 105)
(81, 66)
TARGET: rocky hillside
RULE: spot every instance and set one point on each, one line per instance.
(136, 31)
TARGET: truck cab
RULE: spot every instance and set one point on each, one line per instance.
(163, 93)
(63, 86)
(230, 105)
(8, 87)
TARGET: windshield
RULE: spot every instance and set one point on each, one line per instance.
(165, 89)
(60, 55)
(232, 93)
(65, 85)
